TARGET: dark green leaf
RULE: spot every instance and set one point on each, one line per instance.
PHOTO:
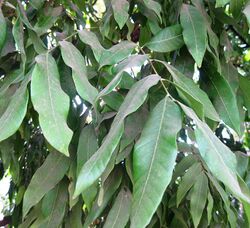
(3, 28)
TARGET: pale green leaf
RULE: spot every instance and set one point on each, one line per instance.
(198, 198)
(153, 160)
(96, 165)
(220, 160)
(90, 39)
(119, 213)
(194, 32)
(73, 58)
(51, 103)
(3, 28)
(117, 53)
(221, 3)
(167, 39)
(246, 11)
(120, 9)
(210, 205)
(43, 180)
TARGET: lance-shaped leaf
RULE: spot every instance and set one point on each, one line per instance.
(155, 6)
(73, 58)
(120, 9)
(108, 189)
(190, 92)
(14, 114)
(166, 40)
(117, 53)
(194, 32)
(96, 165)
(119, 213)
(188, 180)
(51, 103)
(246, 11)
(87, 146)
(3, 29)
(44, 179)
(90, 39)
(224, 100)
(198, 198)
(53, 207)
(153, 160)
(220, 160)
(245, 88)
(126, 64)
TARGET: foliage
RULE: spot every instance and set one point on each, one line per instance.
(125, 113)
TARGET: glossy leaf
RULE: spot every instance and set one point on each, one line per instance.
(167, 39)
(51, 103)
(194, 32)
(96, 165)
(198, 198)
(120, 9)
(153, 158)
(43, 180)
(119, 214)
(73, 58)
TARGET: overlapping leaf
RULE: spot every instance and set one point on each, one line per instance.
(95, 166)
(51, 103)
(153, 159)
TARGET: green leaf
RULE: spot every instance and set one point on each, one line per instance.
(51, 103)
(211, 150)
(194, 32)
(193, 93)
(198, 198)
(119, 213)
(73, 58)
(3, 28)
(187, 182)
(167, 39)
(210, 205)
(53, 207)
(96, 165)
(236, 7)
(245, 88)
(153, 160)
(44, 179)
(106, 192)
(224, 100)
(15, 112)
(155, 6)
(18, 34)
(246, 11)
(221, 3)
(117, 53)
(90, 39)
(120, 9)
(87, 146)
(126, 64)
(37, 4)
